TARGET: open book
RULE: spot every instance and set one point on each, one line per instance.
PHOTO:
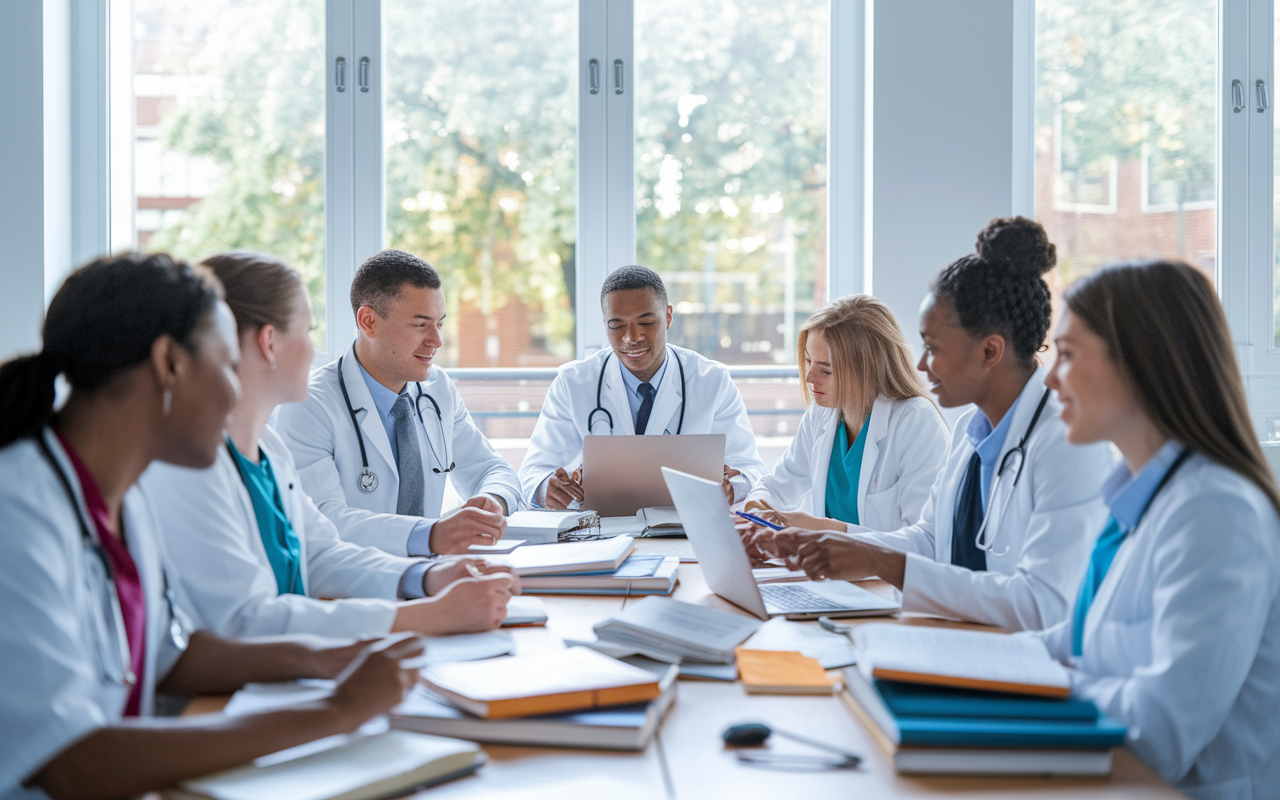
(966, 659)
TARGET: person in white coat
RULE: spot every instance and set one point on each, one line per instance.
(91, 631)
(870, 442)
(254, 552)
(998, 541)
(639, 385)
(1176, 625)
(384, 391)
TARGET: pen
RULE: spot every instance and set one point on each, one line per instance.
(758, 520)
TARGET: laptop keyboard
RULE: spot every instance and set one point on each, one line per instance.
(789, 598)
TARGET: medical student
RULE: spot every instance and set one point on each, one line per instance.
(1176, 625)
(999, 540)
(638, 385)
(382, 429)
(90, 631)
(254, 552)
(870, 442)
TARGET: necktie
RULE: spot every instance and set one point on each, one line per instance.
(646, 408)
(408, 459)
(1104, 552)
(968, 519)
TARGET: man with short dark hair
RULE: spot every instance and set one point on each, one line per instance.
(646, 386)
(382, 430)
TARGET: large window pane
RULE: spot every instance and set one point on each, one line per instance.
(229, 131)
(1125, 151)
(731, 130)
(480, 129)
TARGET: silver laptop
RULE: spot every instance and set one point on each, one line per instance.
(704, 511)
(622, 474)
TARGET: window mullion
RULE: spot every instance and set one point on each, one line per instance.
(590, 251)
(339, 175)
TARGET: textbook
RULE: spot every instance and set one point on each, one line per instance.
(960, 658)
(544, 683)
(638, 575)
(985, 731)
(628, 727)
(525, 612)
(543, 527)
(370, 767)
(781, 672)
(671, 630)
(549, 559)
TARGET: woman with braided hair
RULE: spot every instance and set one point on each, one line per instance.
(999, 540)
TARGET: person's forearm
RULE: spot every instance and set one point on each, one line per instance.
(890, 566)
(151, 753)
(214, 665)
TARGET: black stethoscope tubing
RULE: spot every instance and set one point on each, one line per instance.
(600, 385)
(417, 405)
(1021, 449)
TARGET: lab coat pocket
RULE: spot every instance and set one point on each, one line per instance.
(880, 511)
(1117, 648)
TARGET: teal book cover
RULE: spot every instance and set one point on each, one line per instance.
(918, 700)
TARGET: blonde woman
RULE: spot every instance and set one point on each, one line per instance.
(871, 442)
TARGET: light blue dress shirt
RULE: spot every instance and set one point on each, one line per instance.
(633, 386)
(989, 442)
(384, 400)
(1128, 496)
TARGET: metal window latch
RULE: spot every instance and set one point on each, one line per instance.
(1264, 96)
(593, 75)
(1237, 96)
(364, 74)
(340, 74)
(617, 76)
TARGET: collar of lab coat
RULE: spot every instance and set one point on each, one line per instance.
(362, 402)
(225, 463)
(1027, 402)
(666, 403)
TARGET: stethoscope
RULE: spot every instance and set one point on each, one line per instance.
(1021, 451)
(120, 669)
(367, 480)
(600, 385)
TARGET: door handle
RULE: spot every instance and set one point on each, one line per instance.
(593, 75)
(1237, 96)
(617, 76)
(364, 74)
(1264, 96)
(340, 74)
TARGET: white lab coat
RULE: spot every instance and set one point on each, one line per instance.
(714, 406)
(57, 655)
(1182, 640)
(1042, 537)
(904, 449)
(214, 544)
(319, 433)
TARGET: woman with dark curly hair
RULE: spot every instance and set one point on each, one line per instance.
(999, 541)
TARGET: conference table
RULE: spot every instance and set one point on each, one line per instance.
(687, 758)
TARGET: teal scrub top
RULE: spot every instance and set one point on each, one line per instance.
(278, 538)
(843, 472)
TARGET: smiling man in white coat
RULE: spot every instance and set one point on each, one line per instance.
(382, 429)
(639, 385)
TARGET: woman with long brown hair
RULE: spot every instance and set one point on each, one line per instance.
(1176, 625)
(870, 442)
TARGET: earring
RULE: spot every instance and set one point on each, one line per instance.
(167, 402)
(273, 366)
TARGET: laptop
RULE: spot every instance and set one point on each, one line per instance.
(622, 474)
(704, 510)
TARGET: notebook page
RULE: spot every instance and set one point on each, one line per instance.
(969, 655)
(569, 555)
(684, 622)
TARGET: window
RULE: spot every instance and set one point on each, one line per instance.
(228, 142)
(1125, 131)
(480, 133)
(731, 140)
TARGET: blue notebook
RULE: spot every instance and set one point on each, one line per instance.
(918, 700)
(995, 721)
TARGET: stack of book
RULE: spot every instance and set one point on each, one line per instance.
(568, 698)
(672, 631)
(942, 701)
(596, 567)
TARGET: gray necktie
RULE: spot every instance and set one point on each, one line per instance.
(408, 459)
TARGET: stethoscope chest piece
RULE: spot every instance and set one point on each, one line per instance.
(367, 481)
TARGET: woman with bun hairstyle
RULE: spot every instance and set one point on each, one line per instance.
(91, 631)
(999, 540)
(870, 442)
(1175, 629)
(254, 552)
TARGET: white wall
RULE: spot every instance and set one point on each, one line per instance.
(940, 138)
(22, 176)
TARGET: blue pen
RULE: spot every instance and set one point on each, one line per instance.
(758, 520)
